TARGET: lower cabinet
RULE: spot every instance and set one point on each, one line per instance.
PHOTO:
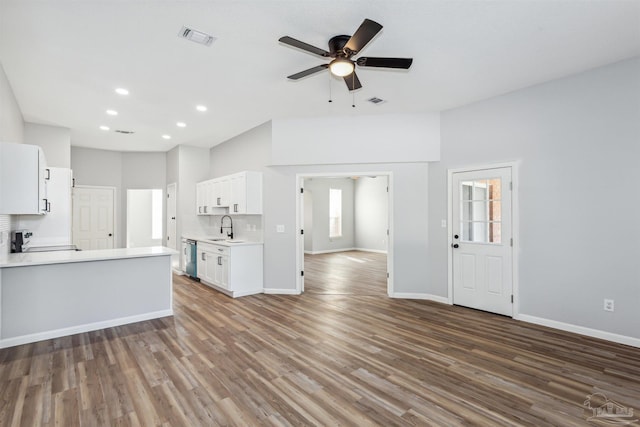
(234, 270)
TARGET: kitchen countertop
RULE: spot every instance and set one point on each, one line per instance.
(216, 241)
(26, 259)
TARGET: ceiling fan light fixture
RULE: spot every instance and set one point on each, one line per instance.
(341, 67)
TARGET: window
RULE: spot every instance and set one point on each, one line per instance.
(481, 214)
(335, 212)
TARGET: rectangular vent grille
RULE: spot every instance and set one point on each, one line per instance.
(196, 36)
(375, 100)
(126, 132)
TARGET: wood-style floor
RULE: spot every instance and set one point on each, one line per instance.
(346, 273)
(314, 360)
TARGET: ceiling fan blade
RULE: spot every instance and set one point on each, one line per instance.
(352, 81)
(363, 35)
(404, 63)
(304, 46)
(308, 72)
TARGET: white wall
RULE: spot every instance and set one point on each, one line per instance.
(371, 213)
(319, 188)
(578, 141)
(11, 121)
(128, 170)
(252, 151)
(55, 141)
(389, 138)
(11, 130)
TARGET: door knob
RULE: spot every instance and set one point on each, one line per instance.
(110, 234)
(455, 245)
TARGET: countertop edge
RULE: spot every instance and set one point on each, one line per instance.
(64, 257)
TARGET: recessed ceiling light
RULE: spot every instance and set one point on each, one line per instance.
(122, 91)
(112, 112)
(196, 36)
(104, 127)
(202, 108)
(181, 124)
(166, 136)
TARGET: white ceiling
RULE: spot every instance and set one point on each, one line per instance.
(65, 58)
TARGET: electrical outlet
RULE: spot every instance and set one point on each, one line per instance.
(279, 228)
(608, 305)
(443, 223)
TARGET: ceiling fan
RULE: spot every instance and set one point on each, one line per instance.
(342, 49)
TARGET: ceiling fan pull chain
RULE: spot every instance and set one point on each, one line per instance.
(330, 98)
(353, 93)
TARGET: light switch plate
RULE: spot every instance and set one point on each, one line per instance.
(280, 228)
(443, 223)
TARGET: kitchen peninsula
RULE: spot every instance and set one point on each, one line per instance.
(51, 294)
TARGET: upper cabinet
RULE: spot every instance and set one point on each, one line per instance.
(23, 177)
(239, 194)
(246, 193)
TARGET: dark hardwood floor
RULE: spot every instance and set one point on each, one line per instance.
(346, 273)
(314, 359)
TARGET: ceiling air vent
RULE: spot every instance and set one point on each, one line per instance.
(375, 100)
(126, 132)
(196, 36)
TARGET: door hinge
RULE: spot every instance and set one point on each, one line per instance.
(387, 188)
(387, 231)
(167, 237)
(301, 231)
(302, 191)
(511, 299)
(387, 275)
(511, 185)
(511, 241)
(167, 195)
(302, 273)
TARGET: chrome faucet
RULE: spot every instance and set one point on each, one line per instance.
(229, 234)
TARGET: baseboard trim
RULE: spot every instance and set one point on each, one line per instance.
(376, 251)
(331, 251)
(581, 330)
(88, 327)
(275, 291)
(429, 297)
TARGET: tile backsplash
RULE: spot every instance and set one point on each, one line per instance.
(5, 235)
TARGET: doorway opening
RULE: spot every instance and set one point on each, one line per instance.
(345, 235)
(144, 218)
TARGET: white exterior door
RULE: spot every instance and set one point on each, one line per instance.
(93, 213)
(482, 240)
(172, 241)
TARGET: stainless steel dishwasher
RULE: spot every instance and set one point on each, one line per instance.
(189, 252)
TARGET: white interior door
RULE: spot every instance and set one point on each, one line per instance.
(172, 241)
(93, 215)
(482, 240)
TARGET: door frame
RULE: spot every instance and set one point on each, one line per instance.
(115, 209)
(515, 225)
(300, 177)
(178, 242)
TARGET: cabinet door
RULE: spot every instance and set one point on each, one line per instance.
(201, 264)
(221, 277)
(199, 198)
(238, 203)
(221, 190)
(22, 184)
(211, 267)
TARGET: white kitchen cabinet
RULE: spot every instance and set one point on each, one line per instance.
(23, 175)
(246, 193)
(203, 197)
(235, 270)
(221, 190)
(55, 227)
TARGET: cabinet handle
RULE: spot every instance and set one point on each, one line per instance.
(185, 250)
(48, 174)
(218, 202)
(219, 260)
(205, 209)
(48, 206)
(203, 254)
(46, 203)
(235, 207)
(199, 209)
